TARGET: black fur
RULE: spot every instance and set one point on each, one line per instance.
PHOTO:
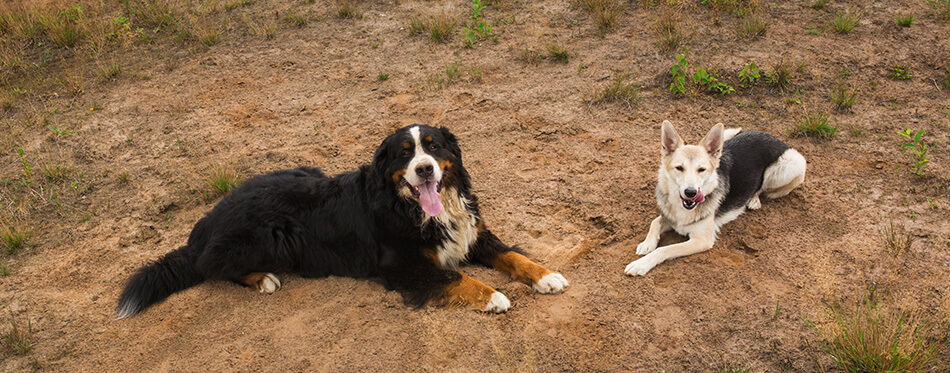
(745, 157)
(301, 221)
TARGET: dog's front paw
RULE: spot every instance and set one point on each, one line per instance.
(754, 203)
(551, 283)
(269, 284)
(646, 247)
(639, 267)
(498, 303)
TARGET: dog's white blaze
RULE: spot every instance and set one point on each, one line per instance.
(420, 158)
(459, 223)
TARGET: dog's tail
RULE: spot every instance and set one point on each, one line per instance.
(154, 282)
(730, 133)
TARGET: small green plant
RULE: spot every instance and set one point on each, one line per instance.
(480, 28)
(867, 338)
(60, 131)
(621, 89)
(383, 77)
(748, 75)
(916, 149)
(904, 20)
(55, 171)
(438, 27)
(678, 73)
(15, 237)
(606, 11)
(17, 340)
(896, 239)
(5, 270)
(558, 53)
(940, 8)
(237, 4)
(223, 178)
(731, 368)
(843, 96)
(123, 177)
(712, 84)
(346, 10)
(669, 36)
(531, 56)
(818, 4)
(844, 23)
(781, 76)
(296, 19)
(110, 71)
(900, 72)
(752, 26)
(814, 124)
(453, 73)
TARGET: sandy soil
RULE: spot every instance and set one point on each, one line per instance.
(571, 184)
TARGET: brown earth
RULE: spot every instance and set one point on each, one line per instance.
(572, 184)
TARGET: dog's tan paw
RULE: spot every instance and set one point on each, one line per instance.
(269, 284)
(551, 283)
(639, 267)
(498, 303)
(754, 203)
(646, 247)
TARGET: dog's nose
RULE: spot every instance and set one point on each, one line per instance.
(425, 171)
(690, 193)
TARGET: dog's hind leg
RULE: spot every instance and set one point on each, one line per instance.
(754, 202)
(263, 282)
(785, 174)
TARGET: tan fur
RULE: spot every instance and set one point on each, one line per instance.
(466, 292)
(519, 267)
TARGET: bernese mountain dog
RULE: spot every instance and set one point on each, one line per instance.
(409, 218)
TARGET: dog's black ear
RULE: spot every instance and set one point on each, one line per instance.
(713, 141)
(669, 139)
(380, 163)
(451, 142)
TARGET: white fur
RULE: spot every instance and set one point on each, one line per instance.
(269, 284)
(420, 158)
(785, 174)
(551, 283)
(498, 303)
(455, 213)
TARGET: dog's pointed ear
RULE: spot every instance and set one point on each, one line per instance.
(451, 142)
(713, 141)
(669, 139)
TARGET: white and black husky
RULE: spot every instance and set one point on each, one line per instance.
(702, 187)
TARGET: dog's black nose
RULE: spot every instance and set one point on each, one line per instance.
(690, 192)
(425, 171)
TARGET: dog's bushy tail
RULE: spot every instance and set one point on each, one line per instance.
(730, 133)
(154, 282)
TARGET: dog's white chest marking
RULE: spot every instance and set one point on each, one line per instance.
(459, 224)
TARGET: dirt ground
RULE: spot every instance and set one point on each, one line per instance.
(570, 183)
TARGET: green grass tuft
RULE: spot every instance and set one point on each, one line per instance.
(223, 179)
(17, 340)
(900, 72)
(843, 96)
(815, 125)
(558, 54)
(844, 23)
(896, 239)
(622, 89)
(15, 237)
(904, 20)
(438, 27)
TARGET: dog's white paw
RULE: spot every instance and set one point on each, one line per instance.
(269, 284)
(498, 303)
(754, 203)
(646, 247)
(639, 267)
(551, 283)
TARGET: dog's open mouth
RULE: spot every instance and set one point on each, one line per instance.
(691, 203)
(428, 195)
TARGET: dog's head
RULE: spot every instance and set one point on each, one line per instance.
(418, 161)
(689, 171)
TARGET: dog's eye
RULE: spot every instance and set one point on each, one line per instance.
(702, 169)
(679, 168)
(433, 146)
(405, 153)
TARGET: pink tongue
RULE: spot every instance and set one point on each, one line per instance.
(700, 198)
(429, 198)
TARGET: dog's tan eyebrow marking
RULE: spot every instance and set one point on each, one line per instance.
(406, 145)
(429, 138)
